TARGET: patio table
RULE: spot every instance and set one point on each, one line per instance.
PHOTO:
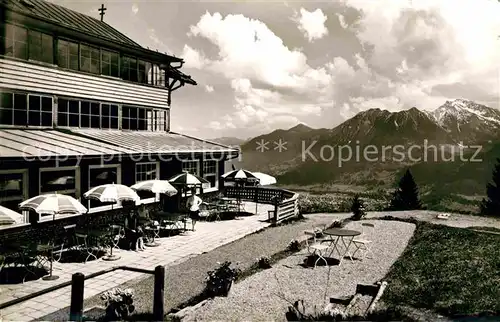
(339, 234)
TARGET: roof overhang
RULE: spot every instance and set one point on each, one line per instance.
(32, 145)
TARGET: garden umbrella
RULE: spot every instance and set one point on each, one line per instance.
(239, 176)
(112, 193)
(9, 217)
(187, 179)
(156, 186)
(264, 179)
(52, 204)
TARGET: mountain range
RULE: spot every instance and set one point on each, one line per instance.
(434, 144)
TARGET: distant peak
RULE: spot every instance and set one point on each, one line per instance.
(301, 127)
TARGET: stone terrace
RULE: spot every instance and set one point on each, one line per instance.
(172, 250)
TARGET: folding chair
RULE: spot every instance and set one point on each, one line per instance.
(361, 242)
(316, 248)
(66, 243)
(117, 233)
(83, 246)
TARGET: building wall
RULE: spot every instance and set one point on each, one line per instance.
(18, 75)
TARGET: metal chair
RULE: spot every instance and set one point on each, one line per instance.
(316, 248)
(362, 242)
(117, 232)
(83, 247)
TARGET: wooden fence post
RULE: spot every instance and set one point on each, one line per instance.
(76, 307)
(159, 293)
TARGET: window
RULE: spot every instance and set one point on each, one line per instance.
(191, 167)
(6, 108)
(40, 110)
(15, 109)
(68, 113)
(41, 47)
(14, 189)
(87, 114)
(99, 175)
(156, 120)
(20, 108)
(63, 180)
(210, 173)
(89, 59)
(109, 63)
(15, 41)
(90, 116)
(134, 118)
(109, 118)
(156, 76)
(144, 68)
(161, 120)
(129, 69)
(147, 171)
(67, 53)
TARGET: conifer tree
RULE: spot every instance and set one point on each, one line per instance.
(490, 205)
(406, 195)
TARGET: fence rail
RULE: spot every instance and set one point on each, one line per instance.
(285, 202)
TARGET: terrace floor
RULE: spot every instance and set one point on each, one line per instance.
(172, 250)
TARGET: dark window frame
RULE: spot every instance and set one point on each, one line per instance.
(117, 53)
(68, 63)
(20, 114)
(42, 47)
(91, 49)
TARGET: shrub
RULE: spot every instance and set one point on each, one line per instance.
(264, 262)
(358, 209)
(337, 224)
(294, 246)
(119, 303)
(219, 280)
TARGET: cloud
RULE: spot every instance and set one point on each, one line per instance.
(404, 56)
(447, 44)
(342, 22)
(311, 23)
(193, 58)
(135, 8)
(270, 81)
(209, 89)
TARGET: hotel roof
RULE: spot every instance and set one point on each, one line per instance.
(68, 18)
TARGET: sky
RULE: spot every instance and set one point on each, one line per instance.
(264, 65)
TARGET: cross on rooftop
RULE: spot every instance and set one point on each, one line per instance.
(102, 13)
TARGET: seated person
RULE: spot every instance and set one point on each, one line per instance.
(134, 233)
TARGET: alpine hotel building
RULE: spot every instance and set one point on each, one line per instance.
(83, 105)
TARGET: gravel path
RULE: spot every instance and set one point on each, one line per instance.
(187, 279)
(265, 296)
(455, 220)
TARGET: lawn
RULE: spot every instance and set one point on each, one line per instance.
(451, 271)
